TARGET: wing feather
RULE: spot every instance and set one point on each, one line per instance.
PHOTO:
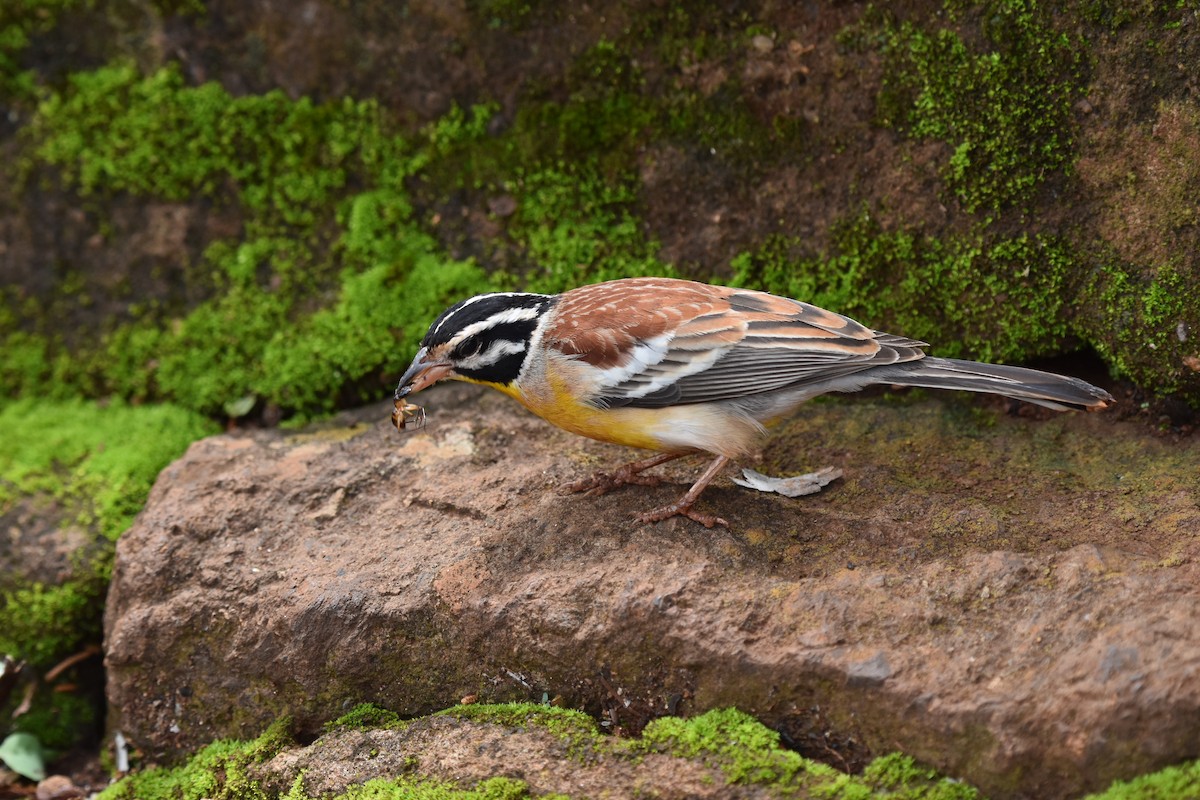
(659, 342)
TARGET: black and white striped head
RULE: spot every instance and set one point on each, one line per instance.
(484, 339)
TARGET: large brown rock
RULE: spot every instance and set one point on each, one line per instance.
(1010, 599)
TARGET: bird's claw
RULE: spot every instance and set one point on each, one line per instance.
(681, 510)
(604, 482)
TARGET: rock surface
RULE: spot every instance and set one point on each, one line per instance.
(1009, 599)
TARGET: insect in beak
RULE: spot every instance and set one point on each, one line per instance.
(406, 414)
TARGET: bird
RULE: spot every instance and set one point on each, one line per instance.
(680, 367)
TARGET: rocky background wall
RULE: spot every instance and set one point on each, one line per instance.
(243, 215)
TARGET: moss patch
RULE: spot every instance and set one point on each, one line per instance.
(408, 789)
(735, 744)
(576, 729)
(1149, 319)
(1006, 298)
(91, 467)
(366, 715)
(306, 306)
(747, 752)
(218, 771)
(1171, 783)
(97, 461)
(1003, 105)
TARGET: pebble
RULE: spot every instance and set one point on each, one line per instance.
(58, 787)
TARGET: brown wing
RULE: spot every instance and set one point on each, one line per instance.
(661, 341)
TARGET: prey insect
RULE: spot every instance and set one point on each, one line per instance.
(406, 414)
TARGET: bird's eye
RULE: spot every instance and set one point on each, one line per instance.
(471, 347)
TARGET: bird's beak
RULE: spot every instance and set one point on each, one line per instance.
(421, 374)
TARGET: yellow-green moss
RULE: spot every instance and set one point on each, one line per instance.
(1003, 105)
(1000, 299)
(747, 752)
(1145, 321)
(327, 286)
(416, 789)
(365, 715)
(217, 772)
(1172, 783)
(96, 465)
(97, 461)
(576, 729)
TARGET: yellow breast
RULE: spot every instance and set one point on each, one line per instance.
(632, 427)
(557, 394)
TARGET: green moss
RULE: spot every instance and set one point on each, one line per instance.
(410, 789)
(214, 356)
(736, 743)
(898, 777)
(59, 721)
(568, 164)
(572, 726)
(373, 327)
(99, 462)
(20, 21)
(219, 771)
(41, 624)
(304, 309)
(115, 130)
(1141, 322)
(96, 465)
(999, 299)
(570, 219)
(747, 752)
(1002, 105)
(1171, 783)
(607, 114)
(365, 715)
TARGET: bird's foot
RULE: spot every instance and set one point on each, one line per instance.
(681, 509)
(604, 482)
(683, 506)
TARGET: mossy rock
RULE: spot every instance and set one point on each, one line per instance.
(723, 753)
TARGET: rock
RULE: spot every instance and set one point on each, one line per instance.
(58, 787)
(304, 572)
(762, 44)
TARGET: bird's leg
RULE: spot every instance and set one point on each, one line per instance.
(683, 506)
(603, 482)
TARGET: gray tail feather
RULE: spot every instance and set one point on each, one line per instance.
(1033, 386)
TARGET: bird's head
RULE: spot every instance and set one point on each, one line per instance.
(484, 339)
